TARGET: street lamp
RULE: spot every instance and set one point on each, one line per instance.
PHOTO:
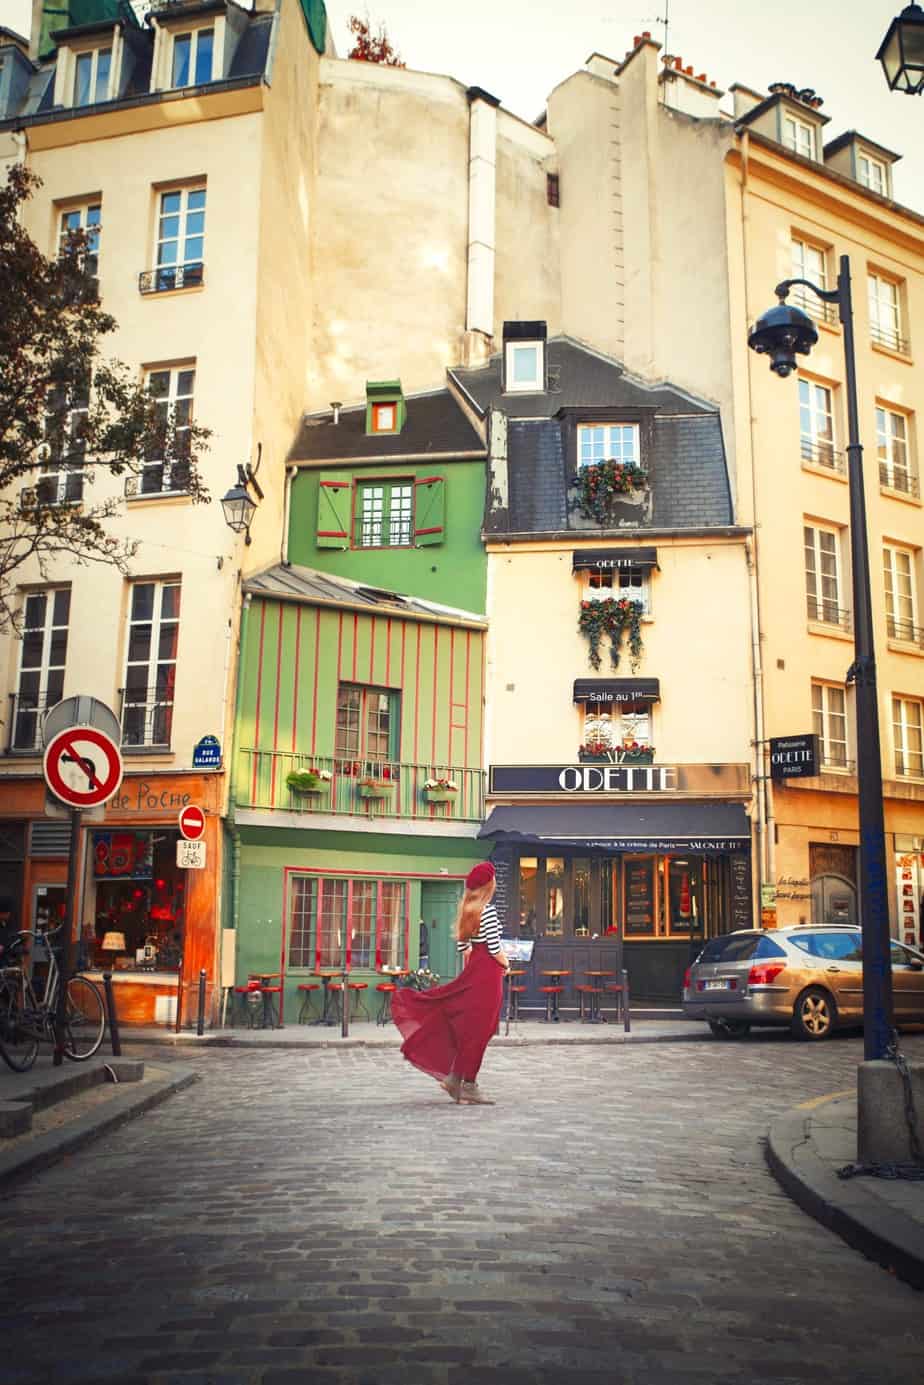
(901, 52)
(784, 332)
(238, 504)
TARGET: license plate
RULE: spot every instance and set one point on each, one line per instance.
(717, 985)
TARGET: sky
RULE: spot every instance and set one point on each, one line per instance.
(520, 50)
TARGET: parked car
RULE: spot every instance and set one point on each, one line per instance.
(807, 977)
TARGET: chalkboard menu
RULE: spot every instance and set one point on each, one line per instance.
(639, 896)
(741, 913)
(503, 894)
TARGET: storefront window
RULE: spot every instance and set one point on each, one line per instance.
(684, 899)
(640, 895)
(362, 923)
(331, 923)
(528, 870)
(139, 904)
(392, 934)
(581, 870)
(372, 912)
(555, 897)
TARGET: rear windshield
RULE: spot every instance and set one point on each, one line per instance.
(739, 947)
(834, 947)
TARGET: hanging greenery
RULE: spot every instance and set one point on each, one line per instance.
(599, 484)
(612, 617)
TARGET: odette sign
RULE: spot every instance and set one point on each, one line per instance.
(794, 757)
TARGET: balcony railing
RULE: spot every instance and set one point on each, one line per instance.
(147, 718)
(904, 630)
(815, 307)
(910, 765)
(826, 613)
(24, 727)
(882, 336)
(158, 478)
(365, 788)
(165, 278)
(898, 479)
(823, 454)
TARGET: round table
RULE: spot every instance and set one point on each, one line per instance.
(597, 978)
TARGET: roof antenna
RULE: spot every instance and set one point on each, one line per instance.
(665, 19)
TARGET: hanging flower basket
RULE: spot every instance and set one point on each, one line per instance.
(375, 788)
(612, 617)
(440, 790)
(308, 781)
(603, 484)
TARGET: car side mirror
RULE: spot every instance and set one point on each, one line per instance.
(915, 965)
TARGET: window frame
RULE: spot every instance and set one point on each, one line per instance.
(815, 447)
(872, 163)
(40, 700)
(171, 400)
(896, 623)
(93, 92)
(806, 126)
(185, 270)
(822, 718)
(366, 485)
(536, 382)
(631, 426)
(193, 37)
(901, 724)
(386, 945)
(889, 336)
(802, 297)
(363, 753)
(616, 713)
(59, 472)
(91, 230)
(154, 700)
(897, 476)
(822, 604)
(633, 583)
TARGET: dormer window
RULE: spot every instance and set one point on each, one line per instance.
(799, 136)
(192, 58)
(608, 442)
(873, 174)
(386, 410)
(524, 357)
(383, 418)
(91, 77)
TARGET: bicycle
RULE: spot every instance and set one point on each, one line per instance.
(26, 1021)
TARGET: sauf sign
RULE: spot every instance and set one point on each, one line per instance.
(793, 757)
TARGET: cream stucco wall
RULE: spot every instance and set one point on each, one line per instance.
(535, 652)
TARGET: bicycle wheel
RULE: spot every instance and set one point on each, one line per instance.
(18, 1047)
(85, 1020)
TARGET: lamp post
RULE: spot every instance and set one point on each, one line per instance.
(901, 52)
(784, 332)
(238, 504)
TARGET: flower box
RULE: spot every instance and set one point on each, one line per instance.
(306, 782)
(637, 757)
(586, 758)
(440, 795)
(379, 788)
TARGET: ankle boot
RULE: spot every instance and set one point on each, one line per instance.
(452, 1086)
(472, 1095)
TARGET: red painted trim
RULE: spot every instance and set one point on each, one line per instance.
(378, 926)
(417, 700)
(317, 661)
(256, 721)
(348, 924)
(468, 689)
(282, 612)
(438, 529)
(298, 650)
(341, 874)
(388, 651)
(436, 650)
(336, 485)
(427, 480)
(317, 925)
(452, 670)
(339, 645)
(372, 652)
(355, 643)
(407, 924)
(332, 534)
(283, 949)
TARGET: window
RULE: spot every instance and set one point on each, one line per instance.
(829, 722)
(385, 514)
(41, 665)
(873, 174)
(816, 423)
(629, 582)
(892, 450)
(618, 725)
(384, 418)
(173, 391)
(832, 947)
(61, 476)
(901, 612)
(885, 318)
(908, 733)
(524, 366)
(799, 136)
(150, 663)
(822, 575)
(367, 724)
(180, 238)
(85, 219)
(91, 77)
(192, 58)
(369, 916)
(552, 190)
(608, 442)
(811, 262)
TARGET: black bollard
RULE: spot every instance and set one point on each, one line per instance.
(114, 1038)
(625, 1001)
(200, 1022)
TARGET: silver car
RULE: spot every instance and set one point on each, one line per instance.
(806, 977)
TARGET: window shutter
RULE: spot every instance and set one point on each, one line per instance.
(333, 510)
(429, 505)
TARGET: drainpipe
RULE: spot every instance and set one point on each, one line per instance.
(482, 196)
(232, 796)
(291, 473)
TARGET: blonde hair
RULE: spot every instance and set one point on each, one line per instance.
(468, 919)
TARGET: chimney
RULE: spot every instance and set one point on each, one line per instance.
(336, 406)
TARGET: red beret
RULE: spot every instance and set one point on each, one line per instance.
(479, 875)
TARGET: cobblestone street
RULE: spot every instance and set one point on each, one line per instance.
(332, 1217)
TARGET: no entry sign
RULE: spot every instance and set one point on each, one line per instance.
(83, 766)
(192, 822)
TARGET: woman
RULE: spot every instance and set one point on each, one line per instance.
(447, 1029)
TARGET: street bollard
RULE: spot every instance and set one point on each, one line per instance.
(200, 1022)
(625, 1000)
(114, 1038)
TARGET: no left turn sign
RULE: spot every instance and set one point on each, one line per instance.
(83, 766)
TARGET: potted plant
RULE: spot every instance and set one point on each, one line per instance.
(440, 790)
(635, 753)
(613, 617)
(308, 781)
(420, 980)
(594, 752)
(602, 484)
(371, 786)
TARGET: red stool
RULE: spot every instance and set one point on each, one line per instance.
(621, 990)
(585, 993)
(247, 1007)
(270, 1006)
(515, 993)
(551, 994)
(306, 988)
(387, 989)
(357, 988)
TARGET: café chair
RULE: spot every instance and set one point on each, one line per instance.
(551, 994)
(357, 1000)
(306, 989)
(387, 990)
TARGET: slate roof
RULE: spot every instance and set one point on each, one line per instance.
(289, 582)
(435, 426)
(689, 486)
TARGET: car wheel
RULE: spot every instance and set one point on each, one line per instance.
(814, 1015)
(729, 1029)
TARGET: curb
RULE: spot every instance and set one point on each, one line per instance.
(293, 1045)
(844, 1206)
(49, 1148)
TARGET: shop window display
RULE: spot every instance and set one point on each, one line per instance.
(139, 905)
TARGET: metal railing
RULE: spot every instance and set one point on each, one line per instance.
(826, 613)
(146, 717)
(815, 307)
(904, 630)
(24, 727)
(393, 789)
(883, 336)
(165, 278)
(909, 766)
(898, 479)
(823, 454)
(158, 478)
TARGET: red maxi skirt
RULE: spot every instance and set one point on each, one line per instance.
(448, 1028)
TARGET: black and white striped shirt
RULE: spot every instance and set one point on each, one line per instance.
(489, 931)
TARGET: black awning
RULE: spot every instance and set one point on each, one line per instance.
(617, 690)
(613, 558)
(623, 826)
